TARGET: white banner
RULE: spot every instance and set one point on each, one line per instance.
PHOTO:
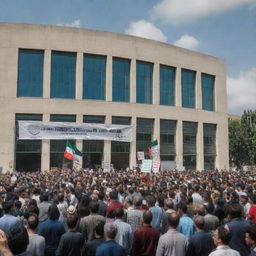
(106, 166)
(146, 165)
(35, 130)
(156, 166)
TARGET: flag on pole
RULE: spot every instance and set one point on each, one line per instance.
(153, 149)
(71, 152)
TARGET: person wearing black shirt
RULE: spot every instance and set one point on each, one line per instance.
(71, 242)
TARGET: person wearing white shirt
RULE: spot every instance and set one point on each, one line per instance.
(221, 239)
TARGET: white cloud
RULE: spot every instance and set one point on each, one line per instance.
(188, 42)
(145, 29)
(242, 92)
(182, 11)
(74, 24)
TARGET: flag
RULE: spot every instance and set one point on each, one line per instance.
(71, 152)
(149, 152)
(153, 149)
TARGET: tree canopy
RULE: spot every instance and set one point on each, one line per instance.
(242, 139)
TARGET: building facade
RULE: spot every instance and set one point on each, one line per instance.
(51, 73)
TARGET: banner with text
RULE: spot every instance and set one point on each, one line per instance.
(35, 130)
(156, 166)
(146, 165)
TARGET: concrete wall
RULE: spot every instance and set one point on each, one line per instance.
(15, 36)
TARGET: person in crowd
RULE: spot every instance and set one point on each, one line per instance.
(211, 221)
(32, 208)
(157, 212)
(91, 246)
(190, 207)
(124, 230)
(169, 205)
(62, 206)
(4, 248)
(201, 243)
(7, 221)
(135, 215)
(237, 228)
(197, 198)
(172, 243)
(246, 205)
(36, 245)
(164, 221)
(130, 195)
(110, 247)
(200, 210)
(88, 223)
(71, 243)
(114, 204)
(186, 224)
(72, 196)
(17, 212)
(145, 238)
(250, 239)
(222, 187)
(17, 242)
(102, 204)
(36, 195)
(43, 207)
(52, 229)
(252, 211)
(83, 208)
(219, 206)
(221, 240)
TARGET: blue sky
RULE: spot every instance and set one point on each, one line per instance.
(222, 28)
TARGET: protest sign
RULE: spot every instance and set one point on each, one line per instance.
(146, 165)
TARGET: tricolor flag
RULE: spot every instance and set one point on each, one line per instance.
(153, 149)
(71, 152)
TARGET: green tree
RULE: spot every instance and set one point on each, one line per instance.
(242, 139)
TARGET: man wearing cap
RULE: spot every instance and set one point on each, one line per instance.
(7, 221)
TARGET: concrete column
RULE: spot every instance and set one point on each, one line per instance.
(133, 81)
(47, 74)
(133, 153)
(178, 94)
(156, 84)
(222, 147)
(200, 147)
(45, 155)
(7, 138)
(79, 143)
(156, 133)
(79, 76)
(109, 79)
(198, 91)
(8, 92)
(107, 144)
(179, 143)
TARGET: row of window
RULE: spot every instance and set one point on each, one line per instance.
(63, 79)
(93, 149)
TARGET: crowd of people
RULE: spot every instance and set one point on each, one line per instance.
(117, 213)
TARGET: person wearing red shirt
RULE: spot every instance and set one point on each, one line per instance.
(113, 205)
(145, 238)
(252, 211)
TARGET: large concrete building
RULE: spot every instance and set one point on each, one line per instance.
(51, 73)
